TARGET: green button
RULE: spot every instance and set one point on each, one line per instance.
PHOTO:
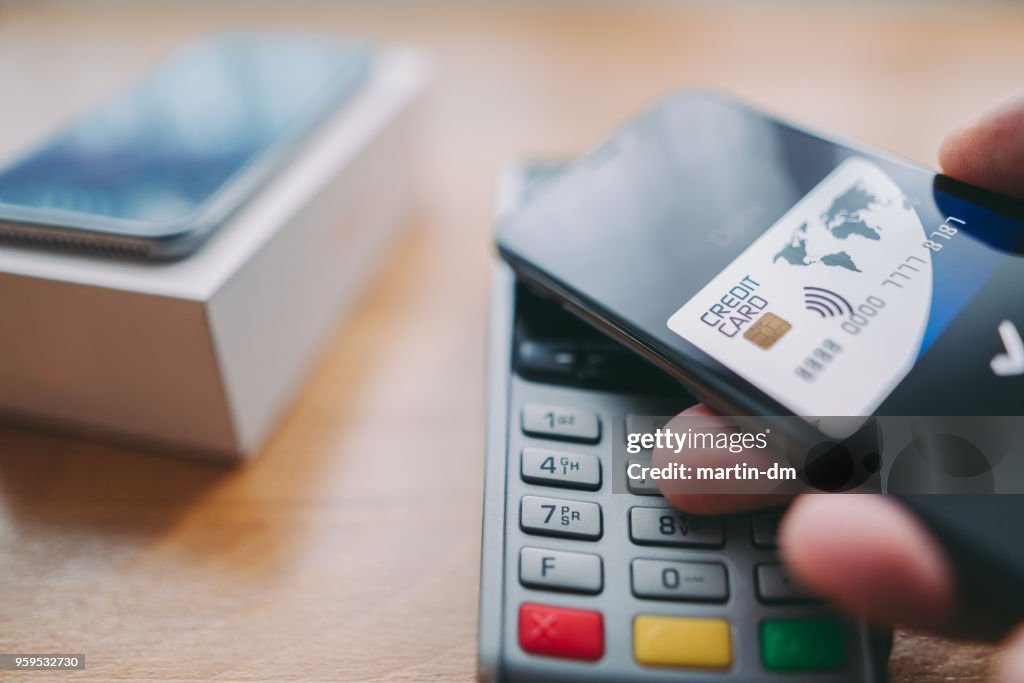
(802, 645)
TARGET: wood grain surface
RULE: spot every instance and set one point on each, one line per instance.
(349, 549)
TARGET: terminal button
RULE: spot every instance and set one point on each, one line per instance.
(553, 422)
(560, 570)
(561, 468)
(774, 585)
(645, 424)
(664, 526)
(765, 528)
(547, 358)
(802, 645)
(559, 517)
(561, 632)
(640, 486)
(682, 642)
(672, 580)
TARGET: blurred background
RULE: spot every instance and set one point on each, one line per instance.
(349, 549)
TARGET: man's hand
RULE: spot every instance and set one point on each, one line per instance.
(864, 552)
(867, 553)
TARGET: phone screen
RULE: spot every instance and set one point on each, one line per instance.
(156, 154)
(791, 273)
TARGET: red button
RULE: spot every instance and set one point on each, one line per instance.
(561, 632)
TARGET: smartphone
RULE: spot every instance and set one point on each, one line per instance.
(597, 592)
(778, 272)
(156, 168)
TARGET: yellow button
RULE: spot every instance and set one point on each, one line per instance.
(674, 641)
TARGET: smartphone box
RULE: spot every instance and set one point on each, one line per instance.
(201, 356)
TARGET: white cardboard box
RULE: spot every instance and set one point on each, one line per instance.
(201, 356)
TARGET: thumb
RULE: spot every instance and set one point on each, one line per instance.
(1011, 666)
(989, 151)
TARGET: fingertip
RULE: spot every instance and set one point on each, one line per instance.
(1010, 666)
(870, 556)
(989, 150)
(955, 154)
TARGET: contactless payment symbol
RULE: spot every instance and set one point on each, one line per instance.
(767, 330)
(825, 302)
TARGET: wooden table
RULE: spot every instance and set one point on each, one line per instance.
(349, 549)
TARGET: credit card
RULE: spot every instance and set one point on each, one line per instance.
(827, 310)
